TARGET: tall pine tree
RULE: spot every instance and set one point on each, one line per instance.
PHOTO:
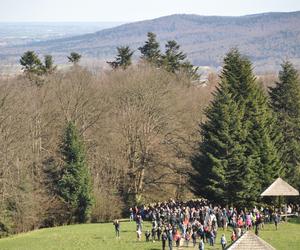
(74, 58)
(48, 67)
(259, 121)
(176, 61)
(285, 101)
(238, 157)
(150, 51)
(123, 58)
(75, 183)
(221, 155)
(30, 62)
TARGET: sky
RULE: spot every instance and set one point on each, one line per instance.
(132, 10)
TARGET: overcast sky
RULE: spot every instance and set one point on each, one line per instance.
(132, 10)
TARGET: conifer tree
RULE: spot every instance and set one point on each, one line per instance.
(258, 120)
(176, 61)
(221, 155)
(238, 157)
(75, 183)
(74, 58)
(123, 58)
(190, 70)
(33, 68)
(150, 51)
(173, 57)
(48, 67)
(30, 62)
(285, 101)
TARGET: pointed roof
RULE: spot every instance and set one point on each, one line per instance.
(280, 188)
(250, 241)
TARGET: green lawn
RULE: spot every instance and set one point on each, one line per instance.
(287, 237)
(101, 236)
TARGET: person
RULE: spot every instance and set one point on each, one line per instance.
(116, 223)
(211, 238)
(170, 237)
(276, 220)
(224, 219)
(223, 241)
(194, 238)
(159, 231)
(201, 232)
(139, 234)
(187, 238)
(240, 222)
(131, 214)
(201, 245)
(206, 234)
(257, 223)
(139, 222)
(153, 230)
(256, 228)
(248, 221)
(177, 238)
(233, 236)
(262, 221)
(164, 238)
(289, 209)
(238, 232)
(147, 235)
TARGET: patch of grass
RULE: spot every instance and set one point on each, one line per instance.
(286, 237)
(102, 237)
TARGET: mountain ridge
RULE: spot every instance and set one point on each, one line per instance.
(267, 38)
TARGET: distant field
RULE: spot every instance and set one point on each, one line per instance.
(101, 236)
(18, 33)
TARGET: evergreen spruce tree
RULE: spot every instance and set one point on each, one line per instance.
(238, 157)
(175, 61)
(150, 51)
(190, 70)
(74, 58)
(31, 64)
(285, 101)
(123, 58)
(258, 121)
(48, 67)
(173, 57)
(75, 183)
(33, 68)
(221, 155)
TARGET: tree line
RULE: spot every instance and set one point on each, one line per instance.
(173, 60)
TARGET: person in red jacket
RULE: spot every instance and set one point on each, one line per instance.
(177, 238)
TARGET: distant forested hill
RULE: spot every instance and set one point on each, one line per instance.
(266, 38)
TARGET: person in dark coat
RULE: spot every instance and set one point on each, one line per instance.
(116, 223)
(276, 219)
(164, 238)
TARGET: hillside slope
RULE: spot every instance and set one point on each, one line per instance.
(266, 38)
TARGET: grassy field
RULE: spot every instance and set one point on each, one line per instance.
(101, 237)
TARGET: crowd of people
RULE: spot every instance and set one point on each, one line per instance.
(196, 222)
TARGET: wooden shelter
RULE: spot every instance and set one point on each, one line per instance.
(280, 188)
